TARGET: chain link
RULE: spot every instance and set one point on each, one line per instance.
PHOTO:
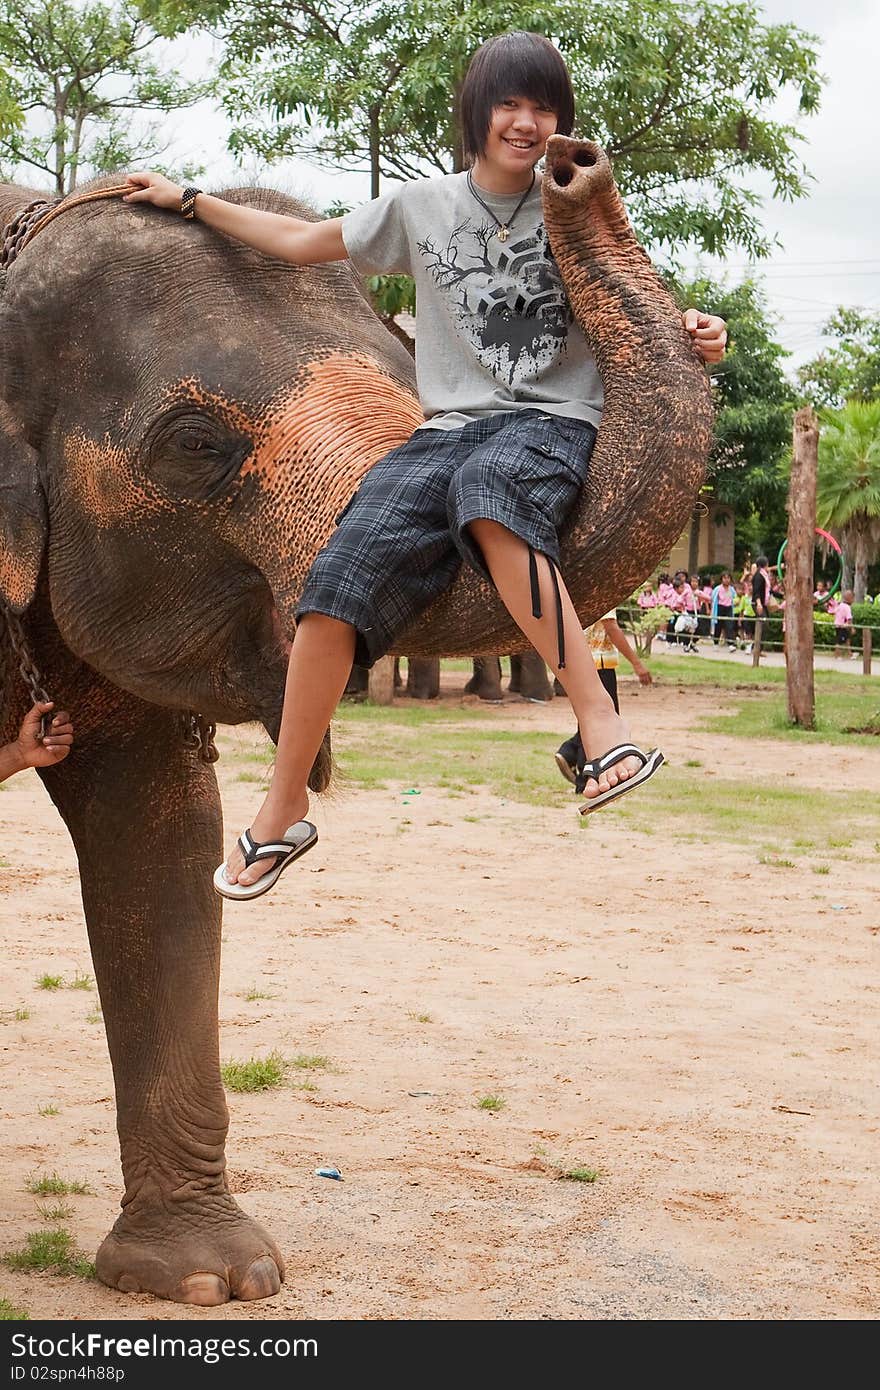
(16, 232)
(198, 732)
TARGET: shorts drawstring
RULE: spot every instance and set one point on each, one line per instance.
(536, 602)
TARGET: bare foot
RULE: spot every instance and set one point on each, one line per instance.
(603, 734)
(267, 826)
(205, 1251)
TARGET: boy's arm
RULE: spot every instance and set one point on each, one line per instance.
(276, 234)
(30, 749)
(618, 638)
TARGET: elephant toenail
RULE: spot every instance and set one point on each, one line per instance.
(203, 1289)
(262, 1279)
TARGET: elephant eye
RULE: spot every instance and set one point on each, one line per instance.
(195, 457)
(191, 442)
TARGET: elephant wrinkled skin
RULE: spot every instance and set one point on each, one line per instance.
(181, 420)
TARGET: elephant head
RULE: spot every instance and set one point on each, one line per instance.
(181, 420)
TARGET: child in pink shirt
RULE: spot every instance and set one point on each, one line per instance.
(647, 598)
(843, 623)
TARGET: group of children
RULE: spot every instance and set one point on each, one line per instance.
(727, 610)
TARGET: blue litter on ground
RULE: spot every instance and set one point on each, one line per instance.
(329, 1173)
(411, 791)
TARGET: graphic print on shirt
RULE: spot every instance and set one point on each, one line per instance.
(506, 300)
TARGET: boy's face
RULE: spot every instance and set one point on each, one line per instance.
(518, 134)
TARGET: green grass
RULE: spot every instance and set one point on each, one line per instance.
(60, 1212)
(420, 1018)
(257, 1074)
(50, 981)
(81, 981)
(821, 869)
(581, 1174)
(48, 1110)
(775, 862)
(14, 1015)
(252, 995)
(836, 711)
(54, 1250)
(50, 1185)
(9, 1312)
(741, 809)
(491, 1103)
(93, 1017)
(672, 670)
(428, 748)
(310, 1061)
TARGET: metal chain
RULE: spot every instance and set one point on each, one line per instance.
(27, 667)
(198, 732)
(16, 232)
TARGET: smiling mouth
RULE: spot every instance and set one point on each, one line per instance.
(519, 144)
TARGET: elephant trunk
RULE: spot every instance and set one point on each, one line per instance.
(650, 457)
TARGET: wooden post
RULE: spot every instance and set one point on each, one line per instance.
(866, 651)
(381, 686)
(799, 569)
(756, 645)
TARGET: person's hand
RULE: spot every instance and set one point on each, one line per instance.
(155, 189)
(54, 748)
(708, 334)
(644, 675)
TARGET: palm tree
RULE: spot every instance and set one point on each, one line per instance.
(848, 492)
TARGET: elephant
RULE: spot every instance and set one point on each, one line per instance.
(181, 421)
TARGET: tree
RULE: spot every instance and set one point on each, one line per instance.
(754, 403)
(678, 91)
(74, 76)
(850, 368)
(848, 491)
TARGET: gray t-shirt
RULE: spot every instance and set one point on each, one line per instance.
(494, 328)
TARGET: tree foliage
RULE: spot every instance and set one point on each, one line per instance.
(850, 368)
(72, 78)
(848, 491)
(678, 91)
(754, 401)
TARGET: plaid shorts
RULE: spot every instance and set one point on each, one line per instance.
(400, 541)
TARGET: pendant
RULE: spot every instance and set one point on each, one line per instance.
(503, 233)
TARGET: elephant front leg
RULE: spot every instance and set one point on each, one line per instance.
(144, 814)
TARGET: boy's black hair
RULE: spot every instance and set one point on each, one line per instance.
(513, 65)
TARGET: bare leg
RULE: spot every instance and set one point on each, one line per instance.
(507, 559)
(320, 662)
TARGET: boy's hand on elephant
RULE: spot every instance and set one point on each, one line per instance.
(708, 334)
(155, 189)
(35, 751)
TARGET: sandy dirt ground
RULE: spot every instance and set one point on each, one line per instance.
(701, 1031)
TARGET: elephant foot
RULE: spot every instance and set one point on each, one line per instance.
(205, 1253)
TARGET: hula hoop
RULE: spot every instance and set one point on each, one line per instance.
(835, 546)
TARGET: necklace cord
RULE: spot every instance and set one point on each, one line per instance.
(503, 227)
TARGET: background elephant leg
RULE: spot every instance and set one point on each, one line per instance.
(358, 681)
(423, 677)
(144, 814)
(531, 681)
(486, 680)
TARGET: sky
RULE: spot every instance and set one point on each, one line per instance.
(830, 251)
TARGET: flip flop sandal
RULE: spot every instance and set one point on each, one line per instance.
(295, 841)
(651, 761)
(565, 767)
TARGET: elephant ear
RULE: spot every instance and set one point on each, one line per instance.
(23, 516)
